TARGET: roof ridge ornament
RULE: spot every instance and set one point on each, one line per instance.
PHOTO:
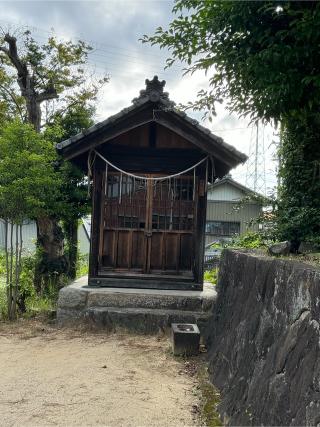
(153, 92)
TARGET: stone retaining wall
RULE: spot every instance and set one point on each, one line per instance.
(264, 341)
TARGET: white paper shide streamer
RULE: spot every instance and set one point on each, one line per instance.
(93, 154)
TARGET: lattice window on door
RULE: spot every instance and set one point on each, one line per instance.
(125, 204)
(173, 205)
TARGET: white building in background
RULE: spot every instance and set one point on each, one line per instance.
(29, 236)
(226, 218)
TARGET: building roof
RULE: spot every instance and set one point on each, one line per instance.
(228, 180)
(152, 105)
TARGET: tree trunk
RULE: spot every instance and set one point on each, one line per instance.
(50, 236)
(16, 275)
(52, 261)
(34, 112)
(71, 229)
(9, 261)
(22, 293)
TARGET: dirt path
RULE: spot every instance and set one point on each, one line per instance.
(67, 378)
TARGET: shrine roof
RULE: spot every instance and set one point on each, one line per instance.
(160, 109)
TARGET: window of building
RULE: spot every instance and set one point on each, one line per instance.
(222, 228)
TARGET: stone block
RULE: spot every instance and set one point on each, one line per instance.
(146, 311)
(145, 300)
(185, 339)
(67, 316)
(307, 248)
(281, 248)
(72, 298)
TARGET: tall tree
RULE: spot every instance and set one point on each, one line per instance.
(43, 81)
(29, 187)
(74, 184)
(263, 60)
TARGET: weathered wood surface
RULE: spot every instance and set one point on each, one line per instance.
(137, 234)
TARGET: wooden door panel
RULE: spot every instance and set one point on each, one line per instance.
(173, 214)
(122, 249)
(186, 252)
(138, 257)
(148, 227)
(156, 257)
(171, 251)
(109, 249)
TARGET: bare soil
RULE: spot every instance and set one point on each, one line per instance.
(79, 378)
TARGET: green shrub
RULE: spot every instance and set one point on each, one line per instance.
(249, 240)
(29, 302)
(82, 265)
(36, 304)
(3, 300)
(3, 296)
(211, 276)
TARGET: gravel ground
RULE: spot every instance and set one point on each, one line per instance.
(71, 377)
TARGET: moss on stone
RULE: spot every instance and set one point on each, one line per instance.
(209, 399)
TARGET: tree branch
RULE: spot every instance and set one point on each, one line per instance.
(4, 50)
(13, 99)
(12, 53)
(49, 93)
(62, 111)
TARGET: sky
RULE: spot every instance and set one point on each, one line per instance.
(113, 29)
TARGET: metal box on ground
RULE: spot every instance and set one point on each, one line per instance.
(185, 339)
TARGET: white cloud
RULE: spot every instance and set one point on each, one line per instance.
(113, 27)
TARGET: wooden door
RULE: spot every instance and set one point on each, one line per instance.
(124, 215)
(171, 245)
(147, 227)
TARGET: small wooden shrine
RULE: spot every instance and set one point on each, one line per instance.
(150, 166)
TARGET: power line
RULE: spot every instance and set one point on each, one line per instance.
(153, 68)
(115, 66)
(105, 55)
(229, 130)
(115, 74)
(99, 46)
(114, 55)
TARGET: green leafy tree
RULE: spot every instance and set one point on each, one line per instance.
(263, 60)
(29, 186)
(38, 83)
(74, 190)
(40, 74)
(299, 203)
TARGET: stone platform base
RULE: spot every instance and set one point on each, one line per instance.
(138, 310)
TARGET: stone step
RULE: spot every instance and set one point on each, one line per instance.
(143, 320)
(148, 299)
(140, 310)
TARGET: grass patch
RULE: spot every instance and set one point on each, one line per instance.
(82, 265)
(39, 305)
(3, 300)
(211, 276)
(34, 303)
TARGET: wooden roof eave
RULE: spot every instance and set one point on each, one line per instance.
(136, 116)
(201, 137)
(104, 132)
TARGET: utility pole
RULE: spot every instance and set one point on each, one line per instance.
(256, 169)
